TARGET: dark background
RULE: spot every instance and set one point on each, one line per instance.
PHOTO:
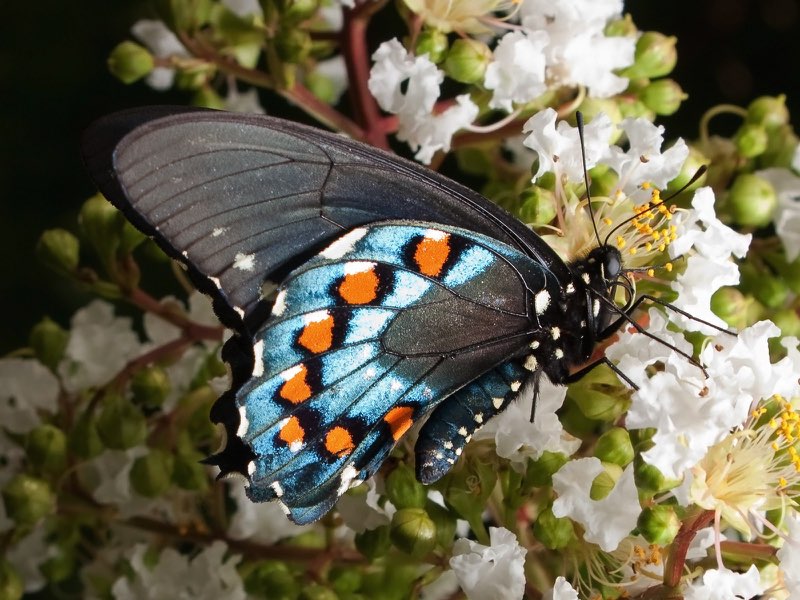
(53, 81)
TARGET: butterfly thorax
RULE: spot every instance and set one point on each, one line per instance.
(578, 315)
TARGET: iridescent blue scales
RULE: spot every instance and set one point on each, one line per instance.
(361, 345)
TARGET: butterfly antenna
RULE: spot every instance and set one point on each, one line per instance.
(579, 121)
(697, 175)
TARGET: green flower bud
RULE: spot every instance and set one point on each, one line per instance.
(633, 108)
(788, 321)
(772, 292)
(11, 585)
(273, 576)
(28, 499)
(59, 567)
(663, 97)
(433, 43)
(474, 161)
(84, 440)
(650, 480)
(403, 489)
(538, 206)
(48, 340)
(445, 522)
(733, 307)
(151, 475)
(469, 487)
(768, 112)
(752, 200)
(47, 449)
(788, 271)
(615, 446)
(207, 97)
(781, 145)
(316, 591)
(623, 27)
(150, 387)
(467, 60)
(322, 87)
(655, 56)
(374, 543)
(597, 404)
(605, 481)
(413, 531)
(751, 140)
(659, 524)
(121, 425)
(293, 44)
(299, 10)
(189, 473)
(101, 224)
(553, 532)
(59, 249)
(345, 580)
(130, 62)
(540, 472)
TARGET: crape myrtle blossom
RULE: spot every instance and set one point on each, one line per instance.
(494, 572)
(163, 43)
(562, 590)
(787, 214)
(723, 584)
(517, 71)
(28, 388)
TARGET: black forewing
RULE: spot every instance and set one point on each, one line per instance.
(240, 198)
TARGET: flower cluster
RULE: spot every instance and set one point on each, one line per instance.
(672, 469)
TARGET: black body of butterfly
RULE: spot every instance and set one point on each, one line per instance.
(402, 294)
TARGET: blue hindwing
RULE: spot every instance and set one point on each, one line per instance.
(367, 338)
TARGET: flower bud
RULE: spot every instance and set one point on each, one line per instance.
(59, 567)
(84, 440)
(597, 404)
(788, 321)
(733, 307)
(151, 475)
(11, 585)
(433, 43)
(101, 224)
(772, 291)
(48, 340)
(781, 145)
(540, 472)
(189, 473)
(345, 580)
(403, 489)
(46, 448)
(315, 591)
(293, 44)
(752, 200)
(553, 532)
(633, 108)
(59, 249)
(659, 524)
(150, 387)
(663, 97)
(28, 499)
(537, 207)
(467, 60)
(274, 576)
(655, 56)
(413, 531)
(299, 10)
(374, 543)
(615, 447)
(207, 97)
(445, 522)
(768, 112)
(130, 62)
(751, 140)
(650, 479)
(788, 271)
(121, 425)
(622, 27)
(605, 481)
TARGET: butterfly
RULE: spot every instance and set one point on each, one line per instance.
(402, 297)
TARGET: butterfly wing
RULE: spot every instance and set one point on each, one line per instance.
(366, 339)
(242, 198)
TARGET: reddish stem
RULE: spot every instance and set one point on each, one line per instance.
(192, 330)
(680, 546)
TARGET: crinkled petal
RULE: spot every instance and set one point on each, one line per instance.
(494, 572)
(28, 387)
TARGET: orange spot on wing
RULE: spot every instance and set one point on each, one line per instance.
(359, 288)
(317, 336)
(431, 254)
(339, 442)
(399, 420)
(296, 389)
(292, 432)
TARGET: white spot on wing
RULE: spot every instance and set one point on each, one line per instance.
(284, 508)
(243, 422)
(515, 385)
(596, 307)
(463, 431)
(370, 373)
(244, 262)
(291, 372)
(251, 468)
(458, 451)
(534, 344)
(541, 301)
(559, 353)
(570, 288)
(344, 244)
(215, 281)
(555, 332)
(478, 418)
(435, 234)
(239, 311)
(316, 317)
(359, 266)
(276, 487)
(279, 307)
(258, 356)
(531, 364)
(448, 445)
(586, 278)
(498, 402)
(396, 385)
(218, 231)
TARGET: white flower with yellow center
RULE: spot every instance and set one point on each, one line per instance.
(462, 16)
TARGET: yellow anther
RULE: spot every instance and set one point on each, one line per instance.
(651, 272)
(607, 221)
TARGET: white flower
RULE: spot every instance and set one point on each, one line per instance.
(562, 590)
(207, 576)
(426, 134)
(243, 8)
(787, 215)
(593, 14)
(723, 584)
(394, 66)
(28, 555)
(26, 387)
(99, 346)
(243, 102)
(517, 70)
(262, 522)
(517, 439)
(606, 522)
(160, 40)
(559, 148)
(789, 556)
(494, 572)
(335, 72)
(644, 161)
(361, 510)
(443, 587)
(12, 460)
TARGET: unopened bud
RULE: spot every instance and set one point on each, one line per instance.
(655, 56)
(433, 43)
(553, 532)
(120, 424)
(614, 446)
(752, 200)
(605, 481)
(751, 140)
(768, 111)
(413, 531)
(658, 524)
(467, 60)
(663, 97)
(59, 249)
(129, 62)
(48, 340)
(403, 489)
(47, 449)
(28, 499)
(151, 475)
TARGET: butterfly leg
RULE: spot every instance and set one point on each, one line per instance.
(453, 422)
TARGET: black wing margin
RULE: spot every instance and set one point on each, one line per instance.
(244, 198)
